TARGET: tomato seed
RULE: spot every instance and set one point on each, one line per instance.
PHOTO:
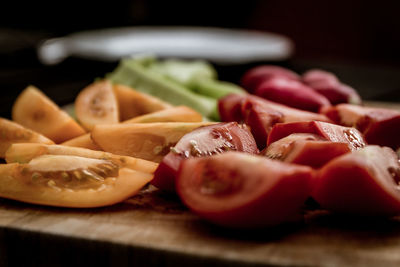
(77, 174)
(395, 173)
(353, 139)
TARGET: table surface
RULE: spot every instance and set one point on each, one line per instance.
(154, 228)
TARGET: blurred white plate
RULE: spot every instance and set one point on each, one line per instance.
(224, 46)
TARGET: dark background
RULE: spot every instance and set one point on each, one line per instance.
(358, 40)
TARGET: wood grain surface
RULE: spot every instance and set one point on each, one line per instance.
(155, 229)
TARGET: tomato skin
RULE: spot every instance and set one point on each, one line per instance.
(292, 93)
(329, 131)
(316, 154)
(241, 191)
(257, 75)
(360, 183)
(289, 114)
(380, 126)
(164, 176)
(318, 75)
(261, 115)
(327, 84)
(260, 119)
(230, 107)
(204, 141)
(305, 149)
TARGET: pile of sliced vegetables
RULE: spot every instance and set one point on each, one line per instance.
(96, 161)
(285, 138)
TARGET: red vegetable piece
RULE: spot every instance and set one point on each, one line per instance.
(292, 93)
(289, 114)
(328, 85)
(255, 76)
(329, 131)
(242, 191)
(380, 126)
(317, 75)
(364, 182)
(261, 114)
(204, 141)
(230, 108)
(306, 149)
(260, 118)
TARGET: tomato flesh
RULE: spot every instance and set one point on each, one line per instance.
(256, 76)
(364, 182)
(241, 190)
(260, 119)
(230, 108)
(305, 149)
(292, 93)
(204, 141)
(70, 181)
(328, 131)
(380, 126)
(261, 115)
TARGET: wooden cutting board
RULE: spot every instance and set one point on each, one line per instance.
(155, 229)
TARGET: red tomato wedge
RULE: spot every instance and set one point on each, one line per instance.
(260, 118)
(241, 190)
(328, 85)
(257, 75)
(290, 114)
(380, 126)
(328, 131)
(364, 182)
(305, 149)
(292, 93)
(204, 141)
(261, 114)
(230, 108)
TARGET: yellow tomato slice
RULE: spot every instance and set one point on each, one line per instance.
(70, 181)
(12, 132)
(36, 111)
(133, 103)
(23, 153)
(97, 104)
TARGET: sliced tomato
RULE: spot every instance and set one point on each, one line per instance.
(318, 75)
(292, 93)
(261, 114)
(364, 182)
(260, 119)
(327, 84)
(380, 126)
(328, 131)
(230, 108)
(36, 111)
(255, 76)
(12, 132)
(24, 153)
(290, 114)
(70, 181)
(241, 190)
(306, 149)
(204, 141)
(97, 104)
